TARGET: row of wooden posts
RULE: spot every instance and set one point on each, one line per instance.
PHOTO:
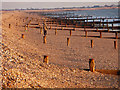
(86, 32)
(68, 41)
(91, 63)
(83, 23)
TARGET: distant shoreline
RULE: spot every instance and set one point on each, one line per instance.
(74, 9)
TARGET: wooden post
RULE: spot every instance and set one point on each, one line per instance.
(39, 23)
(116, 35)
(62, 28)
(92, 65)
(61, 22)
(9, 25)
(28, 25)
(25, 27)
(70, 32)
(84, 27)
(41, 30)
(66, 25)
(80, 23)
(27, 18)
(115, 44)
(68, 41)
(91, 43)
(108, 29)
(46, 59)
(100, 34)
(97, 29)
(22, 36)
(112, 26)
(107, 23)
(73, 28)
(50, 27)
(76, 25)
(51, 22)
(44, 39)
(87, 20)
(103, 23)
(100, 23)
(56, 31)
(85, 33)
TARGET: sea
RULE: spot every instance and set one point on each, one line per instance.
(94, 13)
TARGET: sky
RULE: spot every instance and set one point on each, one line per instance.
(12, 4)
(60, 0)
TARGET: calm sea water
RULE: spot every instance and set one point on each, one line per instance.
(98, 13)
(94, 13)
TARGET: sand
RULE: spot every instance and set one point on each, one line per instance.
(23, 65)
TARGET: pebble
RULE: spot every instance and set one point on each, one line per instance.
(106, 78)
(11, 59)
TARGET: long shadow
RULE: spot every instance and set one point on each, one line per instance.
(113, 72)
(96, 36)
(86, 69)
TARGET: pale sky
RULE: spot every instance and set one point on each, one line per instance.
(11, 4)
(60, 0)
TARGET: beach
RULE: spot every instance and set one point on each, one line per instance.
(22, 58)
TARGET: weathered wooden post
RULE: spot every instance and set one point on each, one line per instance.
(80, 22)
(23, 20)
(76, 25)
(60, 22)
(85, 33)
(9, 25)
(62, 28)
(41, 30)
(107, 23)
(46, 59)
(97, 29)
(44, 39)
(73, 28)
(70, 32)
(28, 25)
(29, 21)
(66, 25)
(108, 29)
(68, 41)
(100, 34)
(84, 27)
(56, 31)
(115, 44)
(50, 27)
(91, 43)
(116, 35)
(103, 23)
(112, 26)
(92, 65)
(16, 24)
(27, 18)
(39, 23)
(100, 23)
(22, 36)
(87, 20)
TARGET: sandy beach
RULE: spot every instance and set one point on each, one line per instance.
(22, 58)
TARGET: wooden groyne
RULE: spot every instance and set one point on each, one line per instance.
(103, 25)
